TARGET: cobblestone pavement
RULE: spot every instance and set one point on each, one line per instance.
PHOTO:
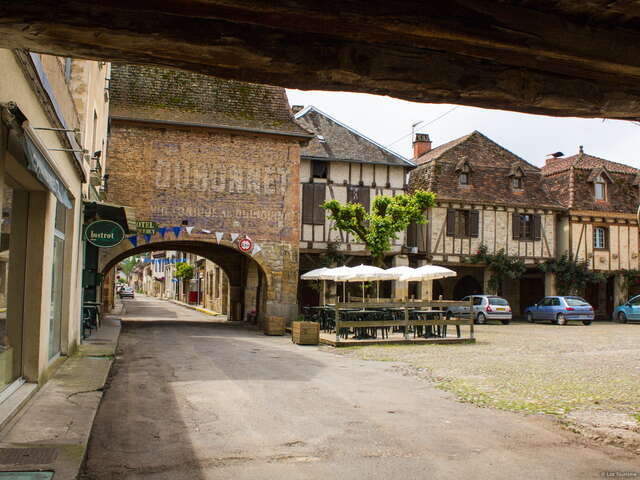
(213, 401)
(587, 376)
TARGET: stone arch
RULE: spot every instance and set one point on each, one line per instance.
(467, 285)
(250, 278)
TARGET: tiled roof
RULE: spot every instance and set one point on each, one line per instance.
(338, 142)
(490, 180)
(148, 92)
(585, 161)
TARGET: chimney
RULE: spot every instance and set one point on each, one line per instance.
(296, 108)
(421, 145)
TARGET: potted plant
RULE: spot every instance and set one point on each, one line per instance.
(305, 333)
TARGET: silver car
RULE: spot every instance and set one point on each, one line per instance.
(485, 307)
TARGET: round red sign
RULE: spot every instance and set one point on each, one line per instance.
(246, 245)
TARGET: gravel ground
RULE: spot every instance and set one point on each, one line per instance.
(586, 376)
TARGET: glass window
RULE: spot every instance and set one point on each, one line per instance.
(600, 238)
(319, 169)
(555, 302)
(576, 302)
(600, 188)
(516, 182)
(477, 300)
(635, 300)
(545, 302)
(497, 301)
(55, 316)
(464, 178)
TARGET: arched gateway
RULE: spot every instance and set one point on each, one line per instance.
(210, 163)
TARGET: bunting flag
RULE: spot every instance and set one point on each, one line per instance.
(234, 236)
(173, 260)
(184, 260)
(204, 230)
(176, 231)
(153, 260)
(189, 230)
(146, 259)
(166, 260)
(219, 236)
(134, 240)
(256, 249)
(147, 237)
(162, 231)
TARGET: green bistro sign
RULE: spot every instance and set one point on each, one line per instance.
(104, 233)
(146, 227)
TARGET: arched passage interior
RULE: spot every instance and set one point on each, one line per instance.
(248, 279)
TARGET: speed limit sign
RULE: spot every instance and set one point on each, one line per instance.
(246, 245)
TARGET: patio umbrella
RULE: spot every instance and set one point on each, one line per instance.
(337, 274)
(427, 272)
(315, 275)
(366, 273)
(398, 272)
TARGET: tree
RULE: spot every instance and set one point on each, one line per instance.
(389, 216)
(128, 265)
(500, 265)
(184, 271)
(571, 276)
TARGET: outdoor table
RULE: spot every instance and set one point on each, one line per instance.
(429, 330)
(360, 333)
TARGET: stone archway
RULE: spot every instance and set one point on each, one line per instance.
(467, 285)
(250, 278)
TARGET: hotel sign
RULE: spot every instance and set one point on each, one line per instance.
(104, 233)
(146, 227)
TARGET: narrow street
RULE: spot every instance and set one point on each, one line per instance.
(219, 401)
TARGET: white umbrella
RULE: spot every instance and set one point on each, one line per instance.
(397, 272)
(427, 272)
(365, 273)
(337, 274)
(315, 275)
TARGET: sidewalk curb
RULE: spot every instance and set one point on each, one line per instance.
(197, 309)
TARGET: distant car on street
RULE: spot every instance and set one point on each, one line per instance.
(126, 292)
(560, 310)
(628, 311)
(485, 307)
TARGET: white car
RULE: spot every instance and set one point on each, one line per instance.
(485, 307)
(126, 292)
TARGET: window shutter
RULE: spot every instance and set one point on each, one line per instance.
(451, 222)
(412, 235)
(364, 197)
(515, 225)
(537, 227)
(474, 221)
(307, 203)
(606, 238)
(352, 194)
(319, 195)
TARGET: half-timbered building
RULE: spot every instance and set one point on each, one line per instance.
(340, 163)
(486, 195)
(599, 225)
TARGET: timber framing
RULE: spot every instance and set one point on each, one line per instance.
(561, 57)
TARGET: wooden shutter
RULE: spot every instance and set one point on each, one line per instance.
(352, 194)
(537, 227)
(474, 223)
(364, 197)
(319, 194)
(307, 203)
(412, 235)
(451, 222)
(515, 225)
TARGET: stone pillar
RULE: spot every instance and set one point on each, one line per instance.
(235, 301)
(426, 290)
(620, 290)
(400, 289)
(550, 286)
(251, 289)
(486, 277)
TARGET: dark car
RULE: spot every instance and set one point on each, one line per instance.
(560, 310)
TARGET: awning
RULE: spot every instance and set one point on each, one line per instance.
(38, 164)
(123, 216)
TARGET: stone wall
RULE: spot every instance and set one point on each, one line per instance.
(218, 181)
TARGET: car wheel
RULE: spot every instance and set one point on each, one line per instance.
(622, 318)
(586, 322)
(561, 319)
(530, 317)
(482, 319)
(505, 322)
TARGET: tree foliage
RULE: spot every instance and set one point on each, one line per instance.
(571, 276)
(184, 271)
(389, 216)
(128, 265)
(501, 266)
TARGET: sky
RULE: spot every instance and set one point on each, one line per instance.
(388, 121)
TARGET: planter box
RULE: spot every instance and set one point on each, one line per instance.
(274, 326)
(305, 333)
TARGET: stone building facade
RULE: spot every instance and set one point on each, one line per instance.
(219, 156)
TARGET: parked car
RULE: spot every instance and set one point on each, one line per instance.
(485, 307)
(126, 292)
(628, 311)
(560, 310)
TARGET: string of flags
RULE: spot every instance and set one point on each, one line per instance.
(245, 244)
